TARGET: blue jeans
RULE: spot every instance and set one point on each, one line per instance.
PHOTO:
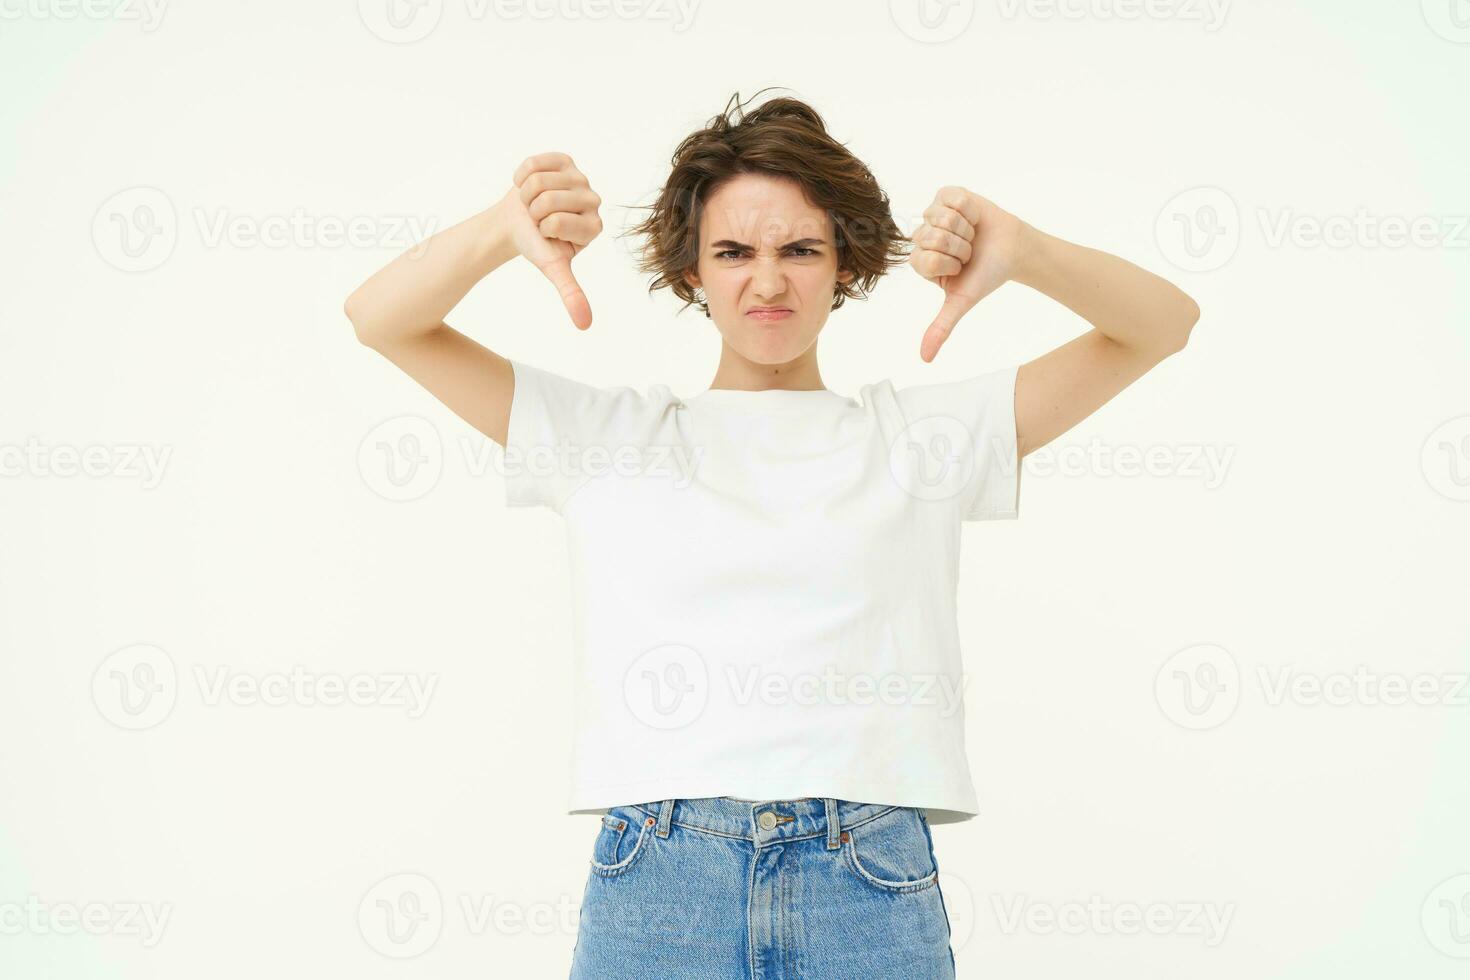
(720, 888)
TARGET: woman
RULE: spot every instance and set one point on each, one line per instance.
(768, 673)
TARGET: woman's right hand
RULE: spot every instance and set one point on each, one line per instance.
(551, 212)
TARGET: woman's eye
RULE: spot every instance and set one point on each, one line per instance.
(801, 251)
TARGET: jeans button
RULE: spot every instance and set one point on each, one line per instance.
(767, 820)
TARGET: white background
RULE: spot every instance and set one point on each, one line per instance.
(1329, 378)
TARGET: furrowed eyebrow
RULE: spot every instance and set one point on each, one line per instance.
(725, 243)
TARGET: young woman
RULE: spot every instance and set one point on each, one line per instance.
(768, 669)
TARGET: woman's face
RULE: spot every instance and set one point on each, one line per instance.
(762, 245)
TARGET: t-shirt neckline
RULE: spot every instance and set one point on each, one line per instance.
(768, 397)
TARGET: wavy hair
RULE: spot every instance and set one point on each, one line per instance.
(783, 138)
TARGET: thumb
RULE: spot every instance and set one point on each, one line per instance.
(954, 307)
(559, 271)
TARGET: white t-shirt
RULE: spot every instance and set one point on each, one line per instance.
(764, 582)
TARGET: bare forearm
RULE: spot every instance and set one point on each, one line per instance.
(412, 294)
(1130, 305)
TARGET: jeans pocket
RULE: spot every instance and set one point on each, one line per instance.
(621, 841)
(892, 853)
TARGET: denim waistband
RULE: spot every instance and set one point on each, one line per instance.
(762, 821)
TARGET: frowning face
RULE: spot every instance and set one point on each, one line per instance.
(768, 267)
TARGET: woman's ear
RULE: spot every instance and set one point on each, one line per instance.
(692, 279)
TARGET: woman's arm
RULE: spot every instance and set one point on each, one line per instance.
(970, 247)
(399, 312)
(1128, 305)
(548, 215)
(1137, 318)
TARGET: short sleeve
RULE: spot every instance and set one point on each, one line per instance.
(562, 432)
(977, 418)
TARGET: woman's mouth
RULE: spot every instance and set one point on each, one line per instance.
(768, 313)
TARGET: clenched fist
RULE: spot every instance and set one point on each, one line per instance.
(552, 215)
(969, 247)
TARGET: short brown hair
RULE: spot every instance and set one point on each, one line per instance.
(785, 138)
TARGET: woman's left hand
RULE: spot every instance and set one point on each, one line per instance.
(968, 246)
